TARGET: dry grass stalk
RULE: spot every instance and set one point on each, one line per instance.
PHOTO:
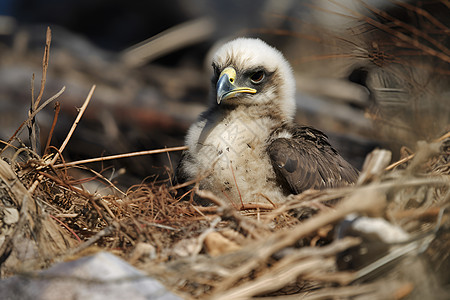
(72, 129)
(119, 156)
(32, 125)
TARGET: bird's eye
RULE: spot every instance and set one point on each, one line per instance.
(257, 77)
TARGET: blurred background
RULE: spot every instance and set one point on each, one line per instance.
(369, 73)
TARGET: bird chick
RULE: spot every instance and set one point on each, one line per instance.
(246, 147)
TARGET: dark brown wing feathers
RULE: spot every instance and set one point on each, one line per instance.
(307, 160)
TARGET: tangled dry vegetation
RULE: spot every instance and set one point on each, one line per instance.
(284, 251)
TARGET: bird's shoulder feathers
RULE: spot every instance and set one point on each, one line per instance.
(303, 158)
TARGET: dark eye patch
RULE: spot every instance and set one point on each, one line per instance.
(216, 74)
(216, 70)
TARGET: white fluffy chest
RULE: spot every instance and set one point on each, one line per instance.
(232, 155)
(231, 142)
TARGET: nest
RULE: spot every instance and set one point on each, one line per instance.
(306, 247)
